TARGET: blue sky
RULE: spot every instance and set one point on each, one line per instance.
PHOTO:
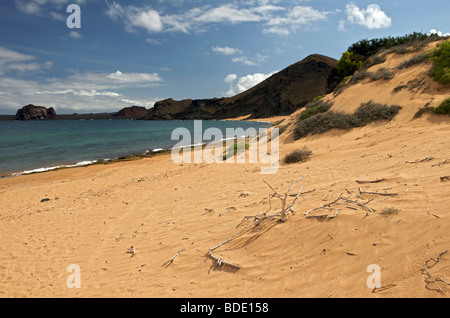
(136, 52)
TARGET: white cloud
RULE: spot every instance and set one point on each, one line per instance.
(75, 35)
(12, 61)
(372, 17)
(57, 16)
(153, 41)
(133, 78)
(42, 7)
(245, 82)
(274, 19)
(71, 94)
(277, 31)
(438, 33)
(257, 60)
(229, 13)
(226, 50)
(230, 78)
(149, 20)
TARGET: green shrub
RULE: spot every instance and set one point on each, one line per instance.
(363, 54)
(348, 64)
(299, 155)
(443, 108)
(322, 123)
(367, 113)
(238, 147)
(441, 63)
(317, 98)
(371, 112)
(315, 107)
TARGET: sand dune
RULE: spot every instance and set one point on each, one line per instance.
(96, 213)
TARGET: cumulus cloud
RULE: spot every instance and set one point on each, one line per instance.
(245, 82)
(372, 17)
(438, 33)
(230, 78)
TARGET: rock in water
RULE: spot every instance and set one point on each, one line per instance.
(31, 112)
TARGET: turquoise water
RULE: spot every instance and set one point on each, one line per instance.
(29, 145)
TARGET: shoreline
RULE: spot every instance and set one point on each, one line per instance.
(134, 156)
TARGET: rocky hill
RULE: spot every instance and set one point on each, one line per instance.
(135, 112)
(281, 94)
(32, 112)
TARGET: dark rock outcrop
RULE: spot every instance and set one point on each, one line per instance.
(281, 94)
(135, 112)
(31, 112)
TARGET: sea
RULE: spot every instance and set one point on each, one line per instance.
(35, 146)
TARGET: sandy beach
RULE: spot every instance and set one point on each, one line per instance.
(92, 216)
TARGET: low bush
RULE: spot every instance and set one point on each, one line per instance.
(315, 107)
(443, 108)
(416, 59)
(367, 113)
(423, 111)
(237, 148)
(441, 63)
(299, 155)
(382, 73)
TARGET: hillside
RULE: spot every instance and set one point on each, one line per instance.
(281, 94)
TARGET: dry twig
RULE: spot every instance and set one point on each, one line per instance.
(441, 163)
(170, 261)
(436, 216)
(260, 219)
(378, 193)
(421, 160)
(427, 280)
(376, 181)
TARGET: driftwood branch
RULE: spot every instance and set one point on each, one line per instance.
(260, 219)
(375, 181)
(420, 160)
(341, 200)
(378, 193)
(427, 280)
(436, 216)
(441, 163)
(170, 261)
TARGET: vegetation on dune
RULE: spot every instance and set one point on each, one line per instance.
(299, 155)
(235, 149)
(315, 107)
(366, 53)
(443, 108)
(322, 122)
(441, 63)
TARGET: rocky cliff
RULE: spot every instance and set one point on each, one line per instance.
(281, 94)
(31, 112)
